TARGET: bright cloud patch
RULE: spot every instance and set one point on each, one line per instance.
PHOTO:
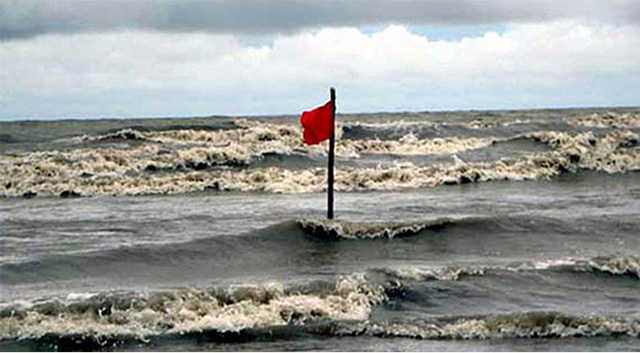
(148, 73)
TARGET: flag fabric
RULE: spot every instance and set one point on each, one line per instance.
(317, 124)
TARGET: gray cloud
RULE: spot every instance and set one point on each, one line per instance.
(25, 19)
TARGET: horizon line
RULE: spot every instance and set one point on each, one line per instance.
(283, 115)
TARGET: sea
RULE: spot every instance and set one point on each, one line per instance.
(453, 231)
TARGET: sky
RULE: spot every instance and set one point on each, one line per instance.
(122, 59)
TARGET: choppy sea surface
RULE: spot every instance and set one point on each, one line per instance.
(481, 230)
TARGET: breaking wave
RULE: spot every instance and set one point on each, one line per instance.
(612, 266)
(182, 161)
(520, 325)
(608, 119)
(616, 266)
(418, 273)
(170, 161)
(330, 229)
(124, 134)
(226, 309)
(340, 307)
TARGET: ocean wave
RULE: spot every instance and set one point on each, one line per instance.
(418, 273)
(391, 124)
(608, 120)
(330, 229)
(227, 309)
(283, 137)
(486, 121)
(124, 134)
(452, 126)
(343, 307)
(527, 325)
(395, 129)
(612, 266)
(409, 144)
(89, 172)
(173, 154)
(518, 325)
(616, 266)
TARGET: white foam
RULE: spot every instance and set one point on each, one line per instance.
(92, 172)
(525, 325)
(352, 230)
(80, 296)
(608, 119)
(194, 310)
(448, 273)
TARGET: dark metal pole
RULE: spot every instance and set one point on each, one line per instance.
(332, 142)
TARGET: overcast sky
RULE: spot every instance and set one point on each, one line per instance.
(92, 59)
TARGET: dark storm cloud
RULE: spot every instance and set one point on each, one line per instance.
(25, 19)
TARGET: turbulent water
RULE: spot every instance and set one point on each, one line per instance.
(510, 230)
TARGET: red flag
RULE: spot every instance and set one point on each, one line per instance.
(317, 124)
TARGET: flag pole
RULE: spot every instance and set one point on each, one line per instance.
(332, 142)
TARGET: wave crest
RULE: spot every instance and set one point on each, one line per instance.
(191, 310)
(448, 273)
(526, 325)
(608, 119)
(615, 266)
(330, 229)
(181, 169)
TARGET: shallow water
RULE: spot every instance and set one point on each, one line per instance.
(549, 261)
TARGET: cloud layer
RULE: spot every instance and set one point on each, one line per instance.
(25, 19)
(150, 73)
